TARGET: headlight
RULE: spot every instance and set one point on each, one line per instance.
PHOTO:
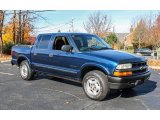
(124, 66)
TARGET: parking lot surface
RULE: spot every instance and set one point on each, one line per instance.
(46, 92)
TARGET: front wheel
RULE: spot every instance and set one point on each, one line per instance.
(95, 85)
(25, 70)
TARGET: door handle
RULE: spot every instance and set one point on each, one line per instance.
(34, 53)
(50, 55)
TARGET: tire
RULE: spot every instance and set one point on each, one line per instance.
(25, 71)
(95, 85)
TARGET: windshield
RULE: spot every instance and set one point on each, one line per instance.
(89, 42)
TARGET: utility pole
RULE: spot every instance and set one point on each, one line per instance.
(113, 29)
(24, 22)
(72, 26)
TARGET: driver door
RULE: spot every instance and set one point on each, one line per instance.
(62, 62)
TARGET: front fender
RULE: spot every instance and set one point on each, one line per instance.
(86, 65)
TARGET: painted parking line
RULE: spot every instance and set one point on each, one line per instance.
(7, 64)
(6, 73)
(63, 93)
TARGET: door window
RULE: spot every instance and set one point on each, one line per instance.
(59, 42)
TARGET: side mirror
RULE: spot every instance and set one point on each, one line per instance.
(67, 48)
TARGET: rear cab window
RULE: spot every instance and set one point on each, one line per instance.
(43, 41)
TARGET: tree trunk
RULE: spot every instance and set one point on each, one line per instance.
(1, 28)
(1, 46)
(20, 27)
(14, 27)
(23, 27)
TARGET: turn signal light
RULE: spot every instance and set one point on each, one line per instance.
(122, 74)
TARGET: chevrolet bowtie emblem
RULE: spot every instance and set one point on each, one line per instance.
(141, 68)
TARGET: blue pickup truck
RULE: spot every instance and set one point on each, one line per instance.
(84, 58)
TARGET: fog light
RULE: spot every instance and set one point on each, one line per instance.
(122, 74)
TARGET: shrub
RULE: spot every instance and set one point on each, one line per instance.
(111, 39)
(7, 48)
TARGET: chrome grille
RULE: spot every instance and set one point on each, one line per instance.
(138, 68)
(139, 64)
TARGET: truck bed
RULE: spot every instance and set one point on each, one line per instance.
(20, 50)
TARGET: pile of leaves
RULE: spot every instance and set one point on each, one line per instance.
(4, 57)
(153, 62)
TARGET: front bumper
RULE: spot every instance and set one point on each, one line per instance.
(14, 62)
(126, 82)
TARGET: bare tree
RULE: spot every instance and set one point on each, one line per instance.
(20, 26)
(24, 24)
(22, 21)
(98, 23)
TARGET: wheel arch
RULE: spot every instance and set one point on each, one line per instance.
(22, 58)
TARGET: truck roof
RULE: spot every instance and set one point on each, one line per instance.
(65, 33)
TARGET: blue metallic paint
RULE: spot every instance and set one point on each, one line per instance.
(72, 64)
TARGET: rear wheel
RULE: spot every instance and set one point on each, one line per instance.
(95, 85)
(25, 70)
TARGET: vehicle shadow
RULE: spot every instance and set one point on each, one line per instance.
(143, 89)
(52, 78)
(78, 84)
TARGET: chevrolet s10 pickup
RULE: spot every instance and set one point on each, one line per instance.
(84, 58)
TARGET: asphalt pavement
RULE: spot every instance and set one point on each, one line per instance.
(47, 92)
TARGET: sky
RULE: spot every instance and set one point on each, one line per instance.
(52, 21)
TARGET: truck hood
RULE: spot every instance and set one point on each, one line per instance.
(117, 56)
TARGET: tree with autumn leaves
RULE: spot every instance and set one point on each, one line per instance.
(155, 34)
(146, 33)
(17, 31)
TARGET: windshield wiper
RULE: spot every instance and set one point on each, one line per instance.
(89, 48)
(94, 48)
(103, 48)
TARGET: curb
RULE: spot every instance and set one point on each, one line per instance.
(155, 67)
(3, 61)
